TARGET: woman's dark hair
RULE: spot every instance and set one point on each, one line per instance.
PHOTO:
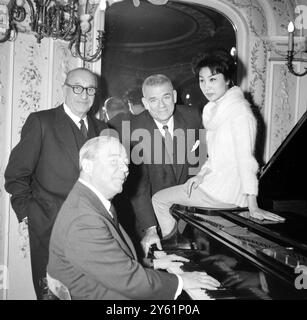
(218, 61)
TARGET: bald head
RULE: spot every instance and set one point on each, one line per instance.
(80, 72)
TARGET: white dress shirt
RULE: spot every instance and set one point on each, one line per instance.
(102, 198)
(169, 124)
(75, 118)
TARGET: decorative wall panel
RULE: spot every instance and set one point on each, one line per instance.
(283, 105)
(5, 110)
(30, 80)
(62, 63)
(256, 64)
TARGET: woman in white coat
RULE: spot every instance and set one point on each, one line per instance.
(228, 178)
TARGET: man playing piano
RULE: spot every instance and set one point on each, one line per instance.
(91, 254)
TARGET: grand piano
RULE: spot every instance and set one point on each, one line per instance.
(255, 259)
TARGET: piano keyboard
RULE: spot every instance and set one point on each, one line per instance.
(198, 294)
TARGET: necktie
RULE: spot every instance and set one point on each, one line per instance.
(83, 128)
(168, 143)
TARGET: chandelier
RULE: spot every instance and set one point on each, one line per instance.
(67, 20)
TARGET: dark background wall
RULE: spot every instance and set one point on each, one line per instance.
(160, 39)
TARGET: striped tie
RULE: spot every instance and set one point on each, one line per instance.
(168, 143)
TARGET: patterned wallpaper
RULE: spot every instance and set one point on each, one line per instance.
(30, 80)
(282, 119)
(257, 64)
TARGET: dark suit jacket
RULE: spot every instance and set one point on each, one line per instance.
(43, 168)
(147, 178)
(95, 259)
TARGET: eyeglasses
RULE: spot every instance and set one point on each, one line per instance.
(77, 89)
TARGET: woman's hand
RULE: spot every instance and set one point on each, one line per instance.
(261, 214)
(257, 213)
(193, 182)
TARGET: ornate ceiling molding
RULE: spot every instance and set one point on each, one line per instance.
(201, 27)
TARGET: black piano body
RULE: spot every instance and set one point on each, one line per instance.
(256, 259)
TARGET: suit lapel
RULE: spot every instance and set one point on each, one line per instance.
(118, 232)
(128, 241)
(66, 136)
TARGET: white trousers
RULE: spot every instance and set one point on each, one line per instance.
(164, 199)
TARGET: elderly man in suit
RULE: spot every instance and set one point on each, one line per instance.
(91, 254)
(160, 167)
(44, 166)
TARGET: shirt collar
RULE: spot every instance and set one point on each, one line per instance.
(75, 118)
(170, 125)
(102, 198)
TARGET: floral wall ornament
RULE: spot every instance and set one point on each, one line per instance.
(258, 29)
(30, 78)
(282, 10)
(282, 112)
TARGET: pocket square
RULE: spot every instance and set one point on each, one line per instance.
(195, 146)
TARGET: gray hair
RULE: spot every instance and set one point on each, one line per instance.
(92, 148)
(155, 80)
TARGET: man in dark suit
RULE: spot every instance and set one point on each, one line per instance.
(156, 167)
(44, 166)
(91, 254)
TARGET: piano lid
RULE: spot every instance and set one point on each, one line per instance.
(284, 177)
